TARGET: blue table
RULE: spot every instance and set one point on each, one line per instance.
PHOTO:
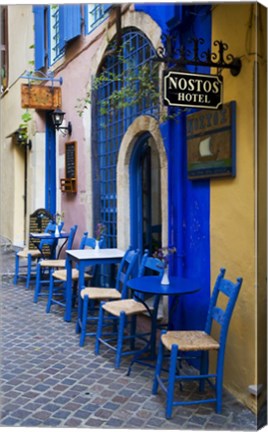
(85, 258)
(151, 285)
(50, 236)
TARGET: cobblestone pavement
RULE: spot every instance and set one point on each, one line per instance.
(48, 380)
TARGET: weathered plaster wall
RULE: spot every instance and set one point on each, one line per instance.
(12, 159)
(233, 202)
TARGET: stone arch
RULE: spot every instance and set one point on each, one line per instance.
(139, 20)
(139, 126)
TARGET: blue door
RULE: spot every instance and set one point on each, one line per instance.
(145, 196)
(50, 166)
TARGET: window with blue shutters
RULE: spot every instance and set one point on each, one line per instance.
(95, 14)
(54, 27)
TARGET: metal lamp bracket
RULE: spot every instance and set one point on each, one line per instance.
(180, 57)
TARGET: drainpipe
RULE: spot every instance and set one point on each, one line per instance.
(26, 145)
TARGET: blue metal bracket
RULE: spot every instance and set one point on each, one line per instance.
(32, 76)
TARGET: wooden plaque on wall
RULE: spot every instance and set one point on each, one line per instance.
(69, 183)
(40, 97)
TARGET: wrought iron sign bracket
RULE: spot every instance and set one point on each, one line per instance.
(40, 76)
(181, 57)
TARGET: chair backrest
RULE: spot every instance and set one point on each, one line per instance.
(71, 237)
(126, 270)
(222, 315)
(83, 240)
(150, 265)
(91, 242)
(50, 228)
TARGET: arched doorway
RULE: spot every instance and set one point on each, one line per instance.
(145, 195)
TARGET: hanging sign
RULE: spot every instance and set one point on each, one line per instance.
(192, 90)
(40, 97)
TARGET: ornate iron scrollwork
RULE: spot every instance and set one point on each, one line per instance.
(181, 57)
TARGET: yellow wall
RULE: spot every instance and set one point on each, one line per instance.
(234, 213)
(11, 157)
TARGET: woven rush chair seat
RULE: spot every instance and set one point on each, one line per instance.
(25, 252)
(128, 306)
(189, 340)
(62, 275)
(198, 344)
(95, 293)
(53, 263)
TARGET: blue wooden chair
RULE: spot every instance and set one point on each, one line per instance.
(56, 293)
(33, 255)
(92, 295)
(45, 266)
(125, 312)
(177, 343)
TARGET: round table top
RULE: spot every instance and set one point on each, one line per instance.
(49, 236)
(152, 285)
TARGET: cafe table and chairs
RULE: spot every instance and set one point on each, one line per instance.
(153, 286)
(197, 344)
(55, 239)
(126, 340)
(90, 297)
(58, 277)
(46, 266)
(83, 259)
(46, 240)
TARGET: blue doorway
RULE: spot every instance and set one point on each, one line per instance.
(50, 166)
(145, 196)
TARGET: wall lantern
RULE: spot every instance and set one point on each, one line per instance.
(21, 138)
(57, 119)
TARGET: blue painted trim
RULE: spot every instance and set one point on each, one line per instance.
(50, 166)
(39, 36)
(135, 176)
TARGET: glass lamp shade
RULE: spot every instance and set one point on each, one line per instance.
(20, 136)
(57, 117)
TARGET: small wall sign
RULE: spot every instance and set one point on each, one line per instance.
(40, 97)
(69, 183)
(211, 142)
(192, 90)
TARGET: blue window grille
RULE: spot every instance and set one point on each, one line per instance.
(95, 14)
(114, 121)
(55, 51)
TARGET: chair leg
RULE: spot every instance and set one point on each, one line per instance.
(120, 339)
(203, 370)
(50, 293)
(17, 267)
(171, 380)
(99, 329)
(133, 325)
(29, 269)
(37, 283)
(79, 315)
(219, 382)
(158, 367)
(84, 321)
